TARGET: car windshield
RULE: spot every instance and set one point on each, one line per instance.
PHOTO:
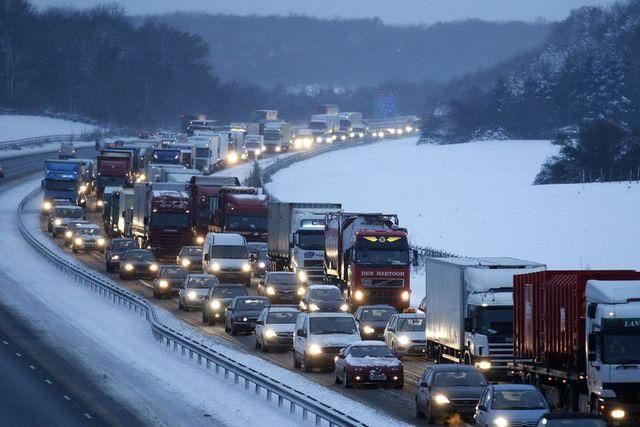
(68, 213)
(141, 256)
(311, 241)
(620, 348)
(325, 294)
(252, 304)
(230, 252)
(412, 324)
(574, 422)
(174, 272)
(229, 291)
(124, 244)
(202, 282)
(371, 351)
(282, 279)
(247, 222)
(459, 379)
(517, 399)
(284, 317)
(191, 252)
(377, 314)
(89, 231)
(332, 325)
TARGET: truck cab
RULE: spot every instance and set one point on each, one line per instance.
(62, 181)
(225, 255)
(240, 210)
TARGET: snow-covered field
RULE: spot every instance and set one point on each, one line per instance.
(19, 127)
(477, 199)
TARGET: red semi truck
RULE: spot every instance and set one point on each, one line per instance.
(201, 190)
(161, 218)
(368, 256)
(577, 337)
(240, 210)
(114, 170)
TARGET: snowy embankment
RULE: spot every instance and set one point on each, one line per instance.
(477, 199)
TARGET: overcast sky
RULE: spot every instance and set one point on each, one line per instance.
(390, 11)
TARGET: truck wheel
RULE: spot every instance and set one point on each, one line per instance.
(296, 363)
(307, 365)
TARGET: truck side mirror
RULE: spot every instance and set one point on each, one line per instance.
(145, 221)
(593, 342)
(591, 310)
(415, 258)
(206, 257)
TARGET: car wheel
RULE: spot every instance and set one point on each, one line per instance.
(226, 327)
(419, 413)
(296, 362)
(430, 418)
(212, 321)
(337, 379)
(232, 328)
(265, 348)
(155, 294)
(307, 365)
(257, 345)
(109, 268)
(54, 233)
(205, 319)
(49, 228)
(345, 379)
(186, 307)
(180, 306)
(74, 250)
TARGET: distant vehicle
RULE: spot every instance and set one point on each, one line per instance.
(242, 314)
(372, 319)
(568, 419)
(368, 362)
(319, 337)
(116, 250)
(194, 291)
(447, 390)
(226, 257)
(253, 147)
(67, 151)
(254, 248)
(218, 299)
(190, 257)
(274, 328)
(510, 405)
(323, 298)
(404, 334)
(88, 237)
(70, 232)
(170, 278)
(136, 263)
(1, 171)
(61, 217)
(281, 287)
(260, 263)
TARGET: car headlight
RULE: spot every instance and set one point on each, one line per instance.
(215, 267)
(100, 203)
(313, 307)
(270, 333)
(319, 139)
(302, 276)
(368, 330)
(153, 267)
(314, 349)
(244, 156)
(352, 134)
(484, 365)
(441, 399)
(405, 296)
(128, 267)
(301, 291)
(78, 241)
(262, 264)
(246, 267)
(82, 188)
(271, 291)
(142, 177)
(185, 262)
(191, 295)
(163, 283)
(101, 241)
(46, 206)
(359, 295)
(344, 307)
(278, 149)
(199, 240)
(618, 414)
(115, 258)
(232, 157)
(57, 221)
(68, 234)
(403, 340)
(215, 304)
(501, 422)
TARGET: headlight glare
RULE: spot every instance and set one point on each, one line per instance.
(314, 349)
(301, 291)
(78, 241)
(185, 262)
(368, 330)
(57, 221)
(441, 399)
(359, 295)
(302, 276)
(618, 414)
(163, 283)
(153, 267)
(199, 240)
(313, 307)
(271, 291)
(101, 241)
(344, 307)
(191, 295)
(128, 267)
(215, 267)
(405, 296)
(215, 304)
(261, 264)
(484, 365)
(270, 333)
(246, 267)
(500, 422)
(68, 234)
(403, 340)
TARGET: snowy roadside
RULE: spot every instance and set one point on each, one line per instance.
(45, 148)
(13, 127)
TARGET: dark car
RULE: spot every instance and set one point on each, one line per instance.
(218, 299)
(372, 319)
(190, 257)
(116, 250)
(569, 419)
(281, 287)
(447, 390)
(242, 314)
(259, 258)
(368, 362)
(169, 279)
(194, 290)
(70, 232)
(323, 298)
(1, 171)
(136, 263)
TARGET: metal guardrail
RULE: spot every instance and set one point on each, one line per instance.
(258, 382)
(18, 143)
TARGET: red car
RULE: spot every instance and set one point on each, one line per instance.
(369, 362)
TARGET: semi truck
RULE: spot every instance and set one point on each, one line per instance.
(161, 219)
(62, 180)
(324, 126)
(577, 334)
(367, 255)
(125, 212)
(201, 190)
(166, 156)
(469, 306)
(114, 170)
(349, 121)
(239, 210)
(277, 136)
(296, 237)
(253, 147)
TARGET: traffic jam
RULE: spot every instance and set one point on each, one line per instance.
(495, 342)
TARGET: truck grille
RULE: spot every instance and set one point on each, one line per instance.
(500, 354)
(313, 263)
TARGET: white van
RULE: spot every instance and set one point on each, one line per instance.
(319, 337)
(225, 255)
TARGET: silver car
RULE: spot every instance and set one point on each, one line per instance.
(88, 237)
(503, 405)
(275, 326)
(194, 291)
(61, 216)
(404, 334)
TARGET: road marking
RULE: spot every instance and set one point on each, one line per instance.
(32, 367)
(88, 416)
(66, 397)
(145, 283)
(18, 354)
(5, 343)
(48, 381)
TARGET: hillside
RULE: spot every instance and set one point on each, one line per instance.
(277, 50)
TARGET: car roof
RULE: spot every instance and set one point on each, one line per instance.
(81, 226)
(173, 267)
(231, 239)
(231, 285)
(571, 415)
(377, 307)
(329, 314)
(252, 297)
(201, 275)
(136, 250)
(281, 307)
(448, 367)
(368, 343)
(121, 239)
(411, 315)
(507, 387)
(191, 247)
(322, 287)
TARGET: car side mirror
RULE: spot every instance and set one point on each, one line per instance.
(415, 259)
(391, 329)
(262, 282)
(301, 333)
(482, 408)
(424, 384)
(206, 257)
(259, 322)
(230, 309)
(341, 356)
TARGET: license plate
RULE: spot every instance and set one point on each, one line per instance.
(377, 377)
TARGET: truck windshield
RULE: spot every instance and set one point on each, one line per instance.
(57, 185)
(271, 135)
(164, 219)
(495, 321)
(68, 213)
(167, 157)
(246, 222)
(620, 348)
(311, 241)
(111, 181)
(252, 145)
(231, 252)
(382, 257)
(318, 126)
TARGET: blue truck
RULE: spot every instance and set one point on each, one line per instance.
(62, 181)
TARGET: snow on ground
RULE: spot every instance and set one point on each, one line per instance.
(477, 199)
(19, 127)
